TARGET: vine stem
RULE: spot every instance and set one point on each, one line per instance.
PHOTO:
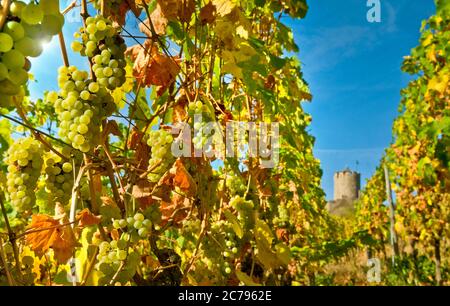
(102, 7)
(11, 281)
(4, 13)
(197, 247)
(12, 237)
(90, 267)
(69, 7)
(62, 43)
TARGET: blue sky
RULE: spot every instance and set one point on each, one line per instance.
(352, 66)
(353, 69)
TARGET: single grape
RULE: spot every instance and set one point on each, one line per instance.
(6, 42)
(32, 14)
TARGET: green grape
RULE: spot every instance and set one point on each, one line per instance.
(25, 46)
(78, 100)
(32, 14)
(161, 143)
(24, 160)
(3, 72)
(50, 6)
(93, 87)
(139, 217)
(6, 42)
(13, 59)
(102, 43)
(18, 76)
(76, 46)
(37, 50)
(16, 8)
(14, 29)
(116, 224)
(137, 224)
(123, 223)
(143, 232)
(121, 254)
(52, 24)
(67, 167)
(59, 178)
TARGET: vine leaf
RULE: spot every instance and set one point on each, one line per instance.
(119, 15)
(179, 177)
(208, 13)
(234, 223)
(159, 22)
(174, 210)
(223, 7)
(49, 233)
(177, 9)
(153, 68)
(111, 128)
(247, 280)
(264, 238)
(87, 218)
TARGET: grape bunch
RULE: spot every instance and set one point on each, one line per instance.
(219, 247)
(201, 114)
(101, 42)
(27, 26)
(245, 209)
(81, 105)
(160, 142)
(235, 183)
(138, 226)
(59, 178)
(24, 160)
(230, 251)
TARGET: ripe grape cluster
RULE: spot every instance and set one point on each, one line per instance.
(24, 160)
(235, 183)
(201, 115)
(138, 226)
(59, 178)
(101, 42)
(112, 254)
(27, 27)
(81, 105)
(245, 209)
(220, 259)
(160, 142)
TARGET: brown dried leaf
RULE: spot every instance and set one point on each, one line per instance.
(179, 177)
(177, 9)
(118, 16)
(87, 218)
(142, 189)
(46, 233)
(111, 128)
(108, 201)
(174, 210)
(159, 22)
(185, 10)
(162, 70)
(115, 234)
(208, 13)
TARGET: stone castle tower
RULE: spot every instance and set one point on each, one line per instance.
(347, 184)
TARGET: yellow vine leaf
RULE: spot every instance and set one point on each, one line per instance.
(47, 232)
(247, 280)
(224, 7)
